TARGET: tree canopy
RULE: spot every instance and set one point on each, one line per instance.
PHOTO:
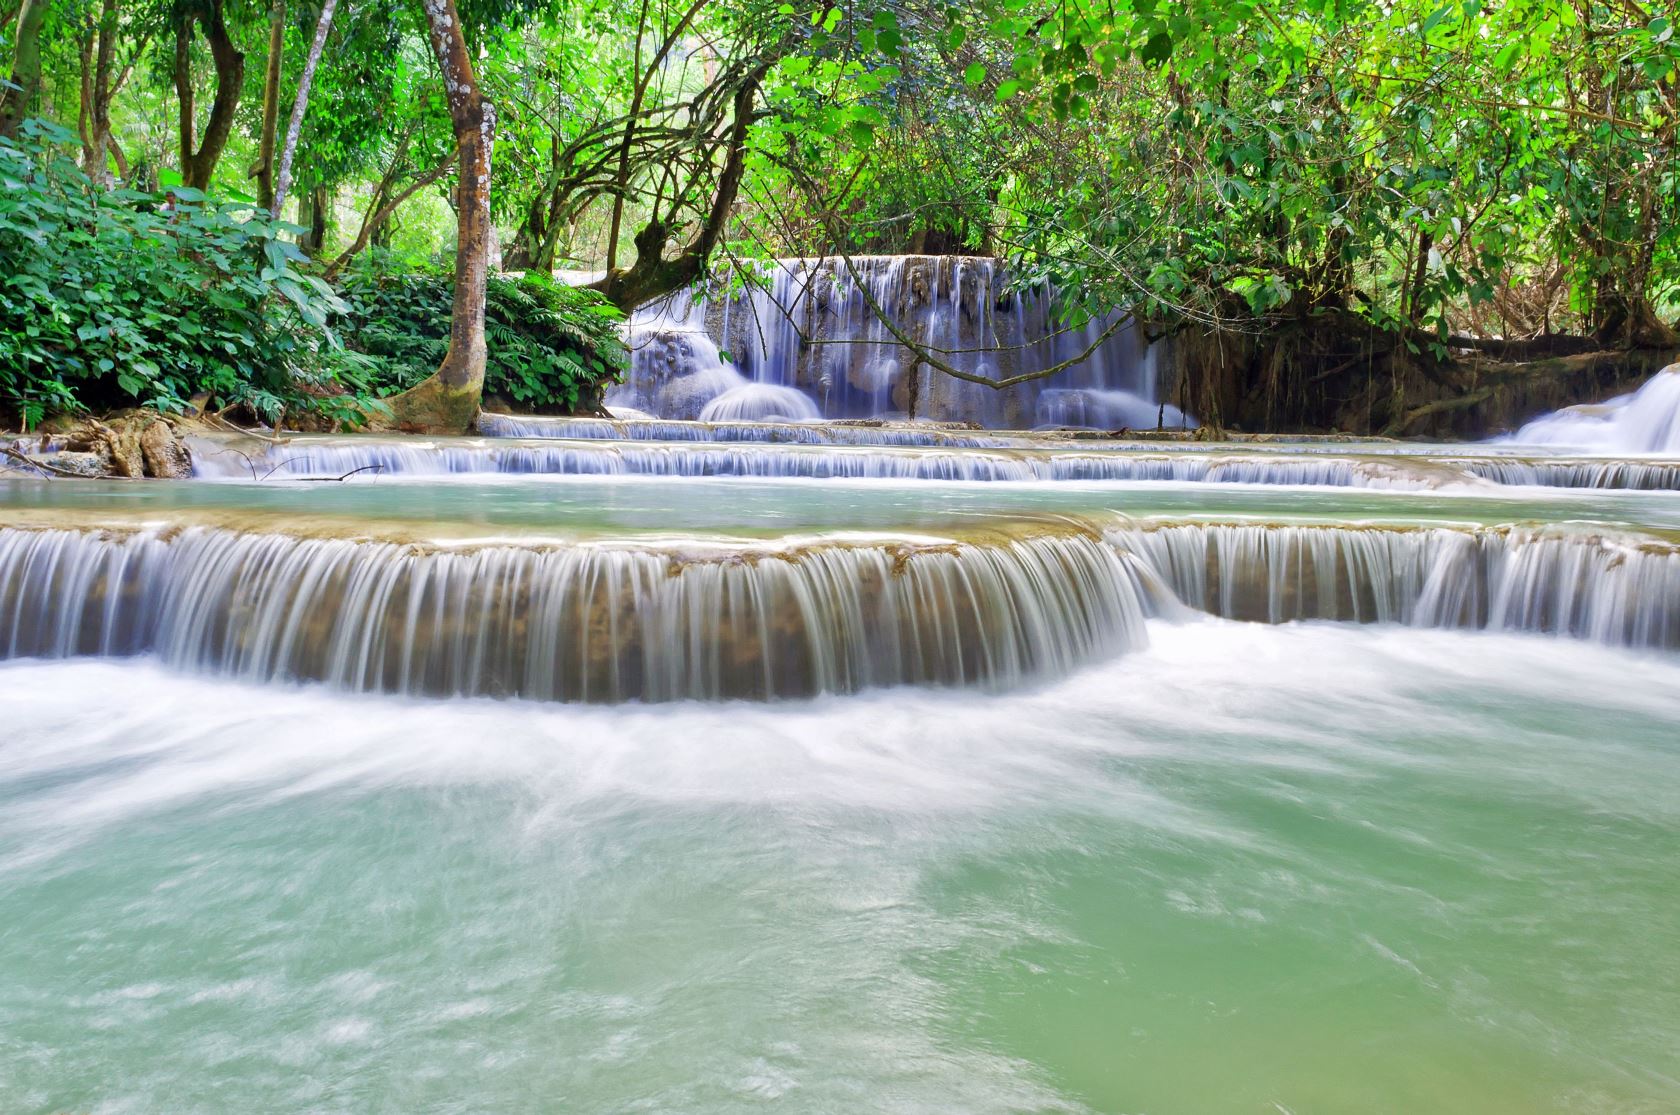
(1301, 182)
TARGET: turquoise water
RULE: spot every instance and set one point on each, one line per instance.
(1220, 867)
(1303, 868)
(615, 506)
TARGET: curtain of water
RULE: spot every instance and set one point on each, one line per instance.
(801, 341)
(610, 624)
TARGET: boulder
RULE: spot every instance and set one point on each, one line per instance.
(132, 444)
(163, 453)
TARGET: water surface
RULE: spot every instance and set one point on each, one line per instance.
(1304, 868)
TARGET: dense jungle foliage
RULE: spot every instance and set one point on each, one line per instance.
(117, 297)
(553, 348)
(1348, 213)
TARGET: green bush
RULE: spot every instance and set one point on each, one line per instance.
(120, 297)
(552, 347)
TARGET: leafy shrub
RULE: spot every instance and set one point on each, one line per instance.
(552, 347)
(114, 297)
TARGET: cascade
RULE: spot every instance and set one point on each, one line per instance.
(847, 452)
(1107, 410)
(800, 341)
(580, 622)
(1622, 590)
(349, 456)
(1647, 476)
(661, 429)
(668, 619)
(1646, 421)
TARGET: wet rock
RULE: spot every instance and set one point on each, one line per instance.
(132, 444)
(73, 464)
(163, 454)
(121, 453)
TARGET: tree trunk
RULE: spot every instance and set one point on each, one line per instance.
(624, 149)
(99, 90)
(652, 274)
(263, 171)
(301, 104)
(314, 214)
(448, 401)
(380, 212)
(26, 67)
(85, 53)
(1626, 320)
(198, 159)
(643, 78)
(118, 157)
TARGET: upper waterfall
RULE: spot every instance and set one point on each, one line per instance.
(1647, 421)
(802, 341)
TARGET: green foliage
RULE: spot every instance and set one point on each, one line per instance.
(120, 297)
(1428, 166)
(551, 347)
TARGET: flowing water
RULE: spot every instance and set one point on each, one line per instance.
(800, 339)
(1646, 421)
(652, 766)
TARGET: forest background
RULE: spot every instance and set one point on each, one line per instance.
(1380, 217)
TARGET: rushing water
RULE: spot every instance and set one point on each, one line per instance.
(940, 456)
(1646, 421)
(1375, 869)
(657, 767)
(804, 338)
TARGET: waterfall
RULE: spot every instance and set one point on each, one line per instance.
(617, 622)
(1108, 410)
(1619, 590)
(1647, 421)
(578, 622)
(1648, 476)
(346, 456)
(638, 429)
(801, 341)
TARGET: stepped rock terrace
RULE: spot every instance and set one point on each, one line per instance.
(981, 769)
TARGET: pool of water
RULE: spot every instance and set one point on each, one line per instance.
(623, 506)
(393, 794)
(1299, 868)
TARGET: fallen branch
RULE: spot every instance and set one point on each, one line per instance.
(336, 479)
(42, 466)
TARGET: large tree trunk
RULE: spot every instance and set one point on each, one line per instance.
(99, 112)
(198, 159)
(26, 67)
(448, 401)
(101, 82)
(263, 170)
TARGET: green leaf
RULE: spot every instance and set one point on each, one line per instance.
(975, 73)
(1158, 49)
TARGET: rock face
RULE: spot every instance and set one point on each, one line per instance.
(130, 444)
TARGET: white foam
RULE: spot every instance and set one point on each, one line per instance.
(1647, 421)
